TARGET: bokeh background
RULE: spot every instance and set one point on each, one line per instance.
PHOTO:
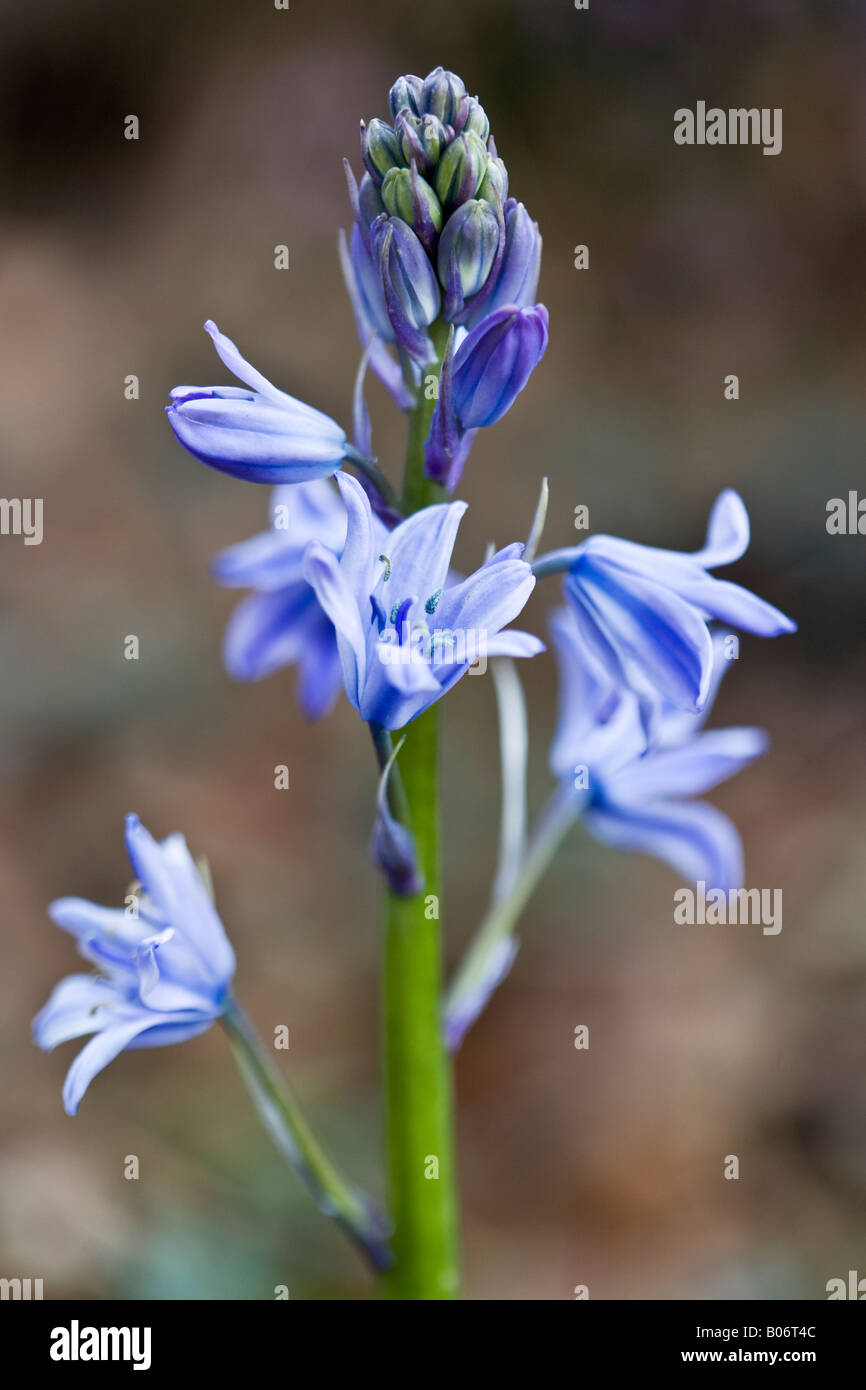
(602, 1167)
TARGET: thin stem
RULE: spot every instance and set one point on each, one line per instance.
(554, 562)
(513, 754)
(373, 473)
(492, 948)
(282, 1119)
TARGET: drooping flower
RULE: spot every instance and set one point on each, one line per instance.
(644, 611)
(405, 632)
(480, 382)
(255, 432)
(636, 797)
(165, 961)
(282, 623)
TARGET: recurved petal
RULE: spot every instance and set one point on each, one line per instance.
(691, 769)
(727, 531)
(697, 840)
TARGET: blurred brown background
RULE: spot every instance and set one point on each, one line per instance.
(603, 1167)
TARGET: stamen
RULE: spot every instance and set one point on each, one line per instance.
(387, 563)
(433, 601)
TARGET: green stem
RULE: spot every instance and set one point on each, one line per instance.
(418, 1087)
(418, 490)
(285, 1124)
(417, 1069)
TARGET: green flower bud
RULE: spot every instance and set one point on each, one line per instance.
(477, 120)
(407, 196)
(467, 251)
(442, 94)
(461, 170)
(494, 185)
(406, 93)
(380, 148)
(422, 138)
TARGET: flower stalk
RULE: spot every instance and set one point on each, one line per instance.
(417, 1070)
(279, 1113)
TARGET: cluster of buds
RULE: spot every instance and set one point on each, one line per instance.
(436, 238)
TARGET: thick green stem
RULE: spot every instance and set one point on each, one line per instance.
(417, 1068)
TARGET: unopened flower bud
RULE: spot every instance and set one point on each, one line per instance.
(380, 148)
(467, 251)
(412, 297)
(441, 95)
(406, 92)
(461, 170)
(476, 120)
(517, 278)
(422, 138)
(494, 185)
(405, 194)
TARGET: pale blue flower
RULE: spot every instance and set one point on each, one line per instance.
(406, 632)
(636, 797)
(644, 611)
(165, 961)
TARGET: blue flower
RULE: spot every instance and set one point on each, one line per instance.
(480, 382)
(644, 611)
(166, 970)
(631, 795)
(406, 632)
(283, 623)
(255, 432)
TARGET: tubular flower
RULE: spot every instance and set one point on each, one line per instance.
(255, 432)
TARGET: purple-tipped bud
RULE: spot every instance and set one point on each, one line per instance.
(476, 119)
(517, 279)
(406, 195)
(406, 93)
(461, 170)
(494, 185)
(412, 297)
(494, 363)
(380, 148)
(422, 138)
(441, 95)
(467, 252)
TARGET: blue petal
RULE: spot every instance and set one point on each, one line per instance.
(697, 840)
(691, 769)
(727, 531)
(648, 625)
(323, 573)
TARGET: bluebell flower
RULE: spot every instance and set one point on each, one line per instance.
(255, 432)
(644, 611)
(405, 631)
(636, 797)
(165, 970)
(283, 623)
(480, 382)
